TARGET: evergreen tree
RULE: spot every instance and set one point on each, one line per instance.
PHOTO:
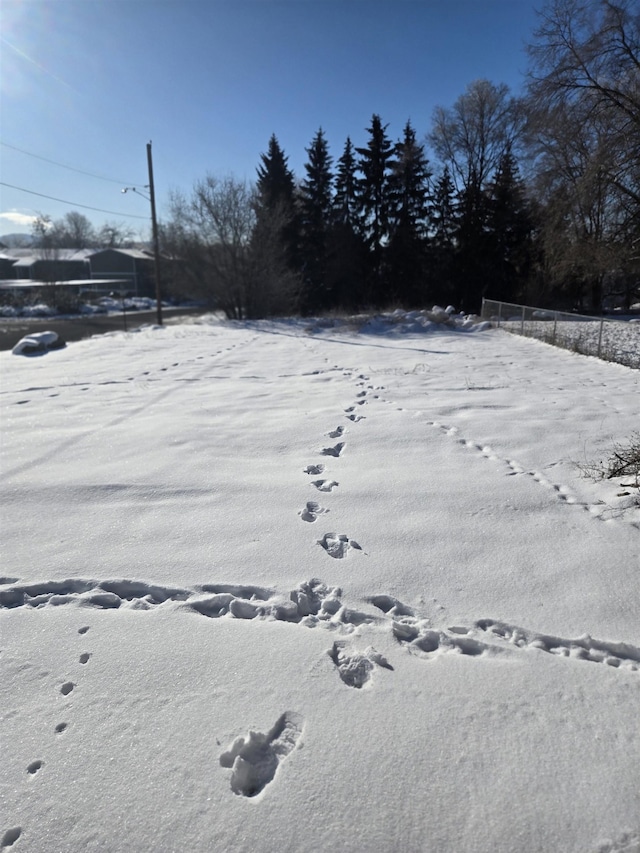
(409, 214)
(474, 250)
(510, 224)
(316, 220)
(276, 200)
(444, 225)
(373, 195)
(345, 202)
(346, 263)
(276, 184)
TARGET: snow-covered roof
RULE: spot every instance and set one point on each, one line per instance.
(27, 257)
(139, 254)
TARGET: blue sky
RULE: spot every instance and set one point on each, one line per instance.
(87, 83)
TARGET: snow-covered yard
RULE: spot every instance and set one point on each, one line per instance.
(293, 587)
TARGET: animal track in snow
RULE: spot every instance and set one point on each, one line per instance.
(84, 657)
(421, 637)
(105, 594)
(355, 668)
(310, 603)
(563, 493)
(314, 469)
(11, 836)
(61, 728)
(337, 545)
(67, 687)
(390, 605)
(334, 451)
(34, 767)
(617, 655)
(311, 511)
(337, 432)
(325, 485)
(356, 418)
(255, 759)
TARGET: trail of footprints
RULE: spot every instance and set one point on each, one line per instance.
(313, 603)
(562, 493)
(336, 545)
(254, 760)
(12, 835)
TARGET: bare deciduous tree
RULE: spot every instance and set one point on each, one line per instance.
(228, 254)
(584, 132)
(115, 235)
(472, 136)
(73, 231)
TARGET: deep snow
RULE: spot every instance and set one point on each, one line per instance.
(289, 586)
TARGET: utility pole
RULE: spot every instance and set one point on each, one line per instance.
(154, 223)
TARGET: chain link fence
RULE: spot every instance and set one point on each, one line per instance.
(611, 340)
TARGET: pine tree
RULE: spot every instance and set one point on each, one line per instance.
(444, 227)
(474, 251)
(276, 183)
(408, 215)
(276, 199)
(316, 220)
(345, 202)
(373, 196)
(510, 224)
(346, 263)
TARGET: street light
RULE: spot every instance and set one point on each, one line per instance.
(154, 226)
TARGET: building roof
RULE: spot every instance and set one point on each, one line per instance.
(139, 254)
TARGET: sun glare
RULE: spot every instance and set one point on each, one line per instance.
(23, 37)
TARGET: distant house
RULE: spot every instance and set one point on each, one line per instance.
(130, 271)
(49, 265)
(133, 267)
(7, 261)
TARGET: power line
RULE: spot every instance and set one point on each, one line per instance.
(63, 166)
(73, 203)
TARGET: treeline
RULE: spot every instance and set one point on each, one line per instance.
(75, 231)
(533, 199)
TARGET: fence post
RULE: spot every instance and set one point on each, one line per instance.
(522, 322)
(555, 325)
(499, 313)
(600, 336)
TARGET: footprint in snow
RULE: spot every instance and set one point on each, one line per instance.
(325, 485)
(334, 451)
(11, 836)
(355, 668)
(255, 758)
(314, 469)
(337, 545)
(311, 511)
